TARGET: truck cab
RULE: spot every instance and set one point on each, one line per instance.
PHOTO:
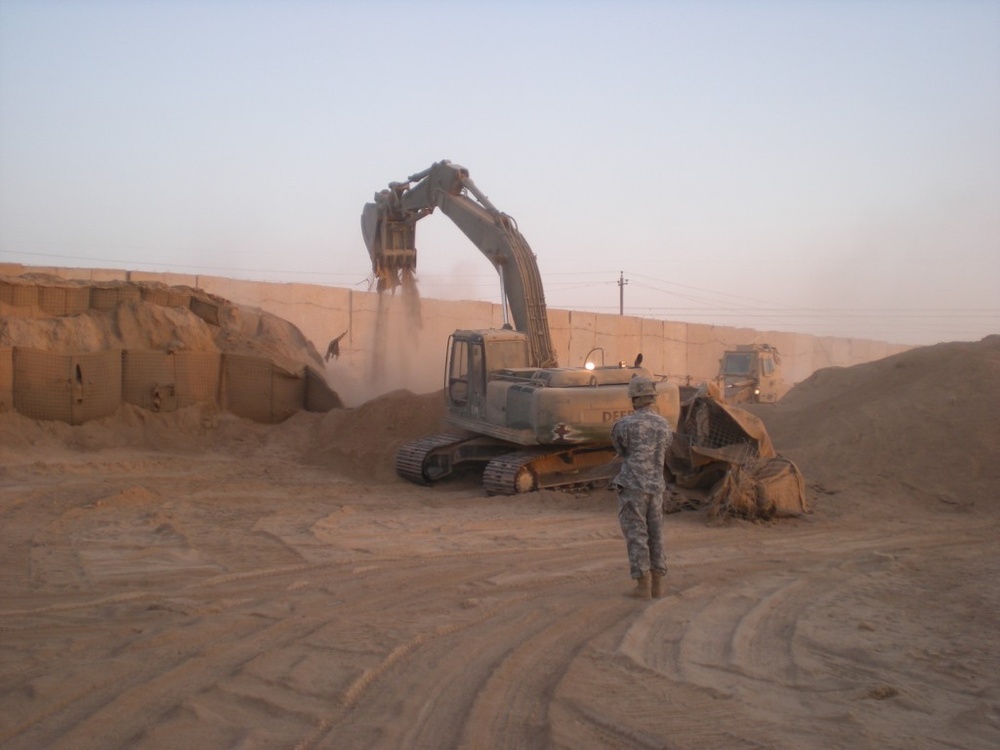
(751, 374)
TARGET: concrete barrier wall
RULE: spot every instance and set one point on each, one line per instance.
(397, 343)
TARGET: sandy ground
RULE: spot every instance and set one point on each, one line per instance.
(198, 581)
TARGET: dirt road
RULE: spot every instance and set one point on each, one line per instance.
(219, 592)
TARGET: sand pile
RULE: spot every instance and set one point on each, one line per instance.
(362, 442)
(925, 422)
(358, 443)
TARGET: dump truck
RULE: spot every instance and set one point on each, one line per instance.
(751, 374)
(511, 411)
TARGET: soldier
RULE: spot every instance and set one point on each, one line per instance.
(642, 439)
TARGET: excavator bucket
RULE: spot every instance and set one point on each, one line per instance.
(398, 251)
(391, 245)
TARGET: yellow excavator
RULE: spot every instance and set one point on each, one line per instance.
(512, 411)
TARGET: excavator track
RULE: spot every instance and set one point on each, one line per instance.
(413, 458)
(510, 474)
(526, 471)
(506, 472)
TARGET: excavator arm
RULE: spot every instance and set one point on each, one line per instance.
(388, 225)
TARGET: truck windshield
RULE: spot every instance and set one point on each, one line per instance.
(737, 364)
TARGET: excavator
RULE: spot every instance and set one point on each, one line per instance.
(511, 410)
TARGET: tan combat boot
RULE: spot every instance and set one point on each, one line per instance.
(656, 590)
(642, 586)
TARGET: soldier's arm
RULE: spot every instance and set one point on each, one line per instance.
(619, 438)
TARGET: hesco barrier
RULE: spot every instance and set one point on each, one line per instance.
(258, 389)
(206, 310)
(69, 388)
(75, 388)
(109, 297)
(19, 295)
(319, 396)
(78, 387)
(63, 300)
(57, 299)
(166, 297)
(165, 381)
(6, 379)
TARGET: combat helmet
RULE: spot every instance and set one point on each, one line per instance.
(640, 386)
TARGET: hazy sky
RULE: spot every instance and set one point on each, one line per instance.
(822, 167)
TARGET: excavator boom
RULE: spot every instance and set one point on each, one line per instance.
(388, 225)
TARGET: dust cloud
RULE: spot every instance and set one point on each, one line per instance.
(396, 351)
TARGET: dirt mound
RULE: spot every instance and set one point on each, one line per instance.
(199, 428)
(362, 442)
(358, 443)
(923, 422)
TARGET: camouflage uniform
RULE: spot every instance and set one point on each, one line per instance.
(642, 439)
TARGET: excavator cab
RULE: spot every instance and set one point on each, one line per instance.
(472, 355)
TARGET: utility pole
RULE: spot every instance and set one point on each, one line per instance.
(622, 281)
